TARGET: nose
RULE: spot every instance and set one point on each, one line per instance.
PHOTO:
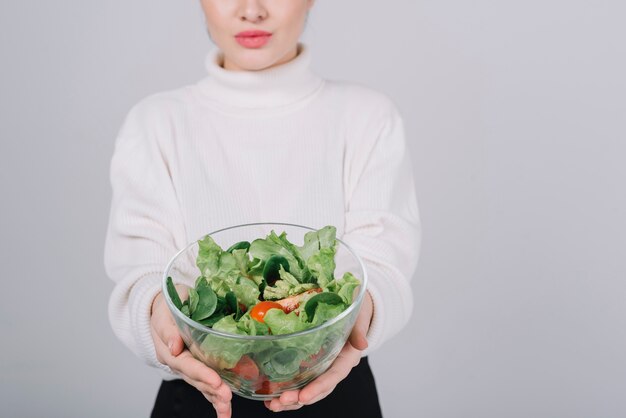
(253, 11)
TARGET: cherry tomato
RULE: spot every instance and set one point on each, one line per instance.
(312, 360)
(246, 368)
(260, 309)
(267, 387)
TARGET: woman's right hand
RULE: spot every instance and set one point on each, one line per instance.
(171, 351)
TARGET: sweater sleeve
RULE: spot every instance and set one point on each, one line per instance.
(145, 230)
(383, 226)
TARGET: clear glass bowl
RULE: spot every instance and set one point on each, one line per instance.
(230, 355)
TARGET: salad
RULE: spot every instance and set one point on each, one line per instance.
(267, 287)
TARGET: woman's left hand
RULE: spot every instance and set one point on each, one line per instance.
(348, 358)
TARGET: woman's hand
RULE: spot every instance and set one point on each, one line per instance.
(171, 351)
(348, 358)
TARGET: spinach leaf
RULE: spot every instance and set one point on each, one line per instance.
(193, 301)
(185, 309)
(171, 291)
(325, 297)
(241, 245)
(207, 302)
(272, 268)
(286, 361)
(209, 322)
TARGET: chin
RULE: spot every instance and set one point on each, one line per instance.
(255, 59)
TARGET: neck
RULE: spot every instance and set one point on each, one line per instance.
(280, 85)
(227, 64)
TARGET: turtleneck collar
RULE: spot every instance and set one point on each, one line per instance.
(272, 87)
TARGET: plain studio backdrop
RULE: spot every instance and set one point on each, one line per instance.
(515, 115)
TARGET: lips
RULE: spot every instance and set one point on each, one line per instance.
(253, 38)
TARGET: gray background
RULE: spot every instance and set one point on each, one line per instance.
(515, 113)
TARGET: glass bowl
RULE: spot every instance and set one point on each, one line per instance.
(245, 362)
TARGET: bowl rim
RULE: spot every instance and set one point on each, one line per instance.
(356, 303)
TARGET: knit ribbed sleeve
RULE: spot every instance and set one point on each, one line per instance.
(145, 229)
(188, 161)
(382, 225)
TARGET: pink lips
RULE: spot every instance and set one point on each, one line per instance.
(253, 38)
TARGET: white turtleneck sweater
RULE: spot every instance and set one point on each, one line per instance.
(277, 145)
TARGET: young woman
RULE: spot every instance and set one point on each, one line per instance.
(261, 138)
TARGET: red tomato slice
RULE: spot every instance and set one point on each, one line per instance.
(246, 368)
(312, 360)
(264, 389)
(292, 303)
(260, 309)
(267, 387)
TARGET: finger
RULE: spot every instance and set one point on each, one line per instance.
(207, 391)
(277, 406)
(359, 331)
(286, 402)
(286, 399)
(325, 383)
(193, 368)
(223, 409)
(163, 353)
(357, 336)
(186, 364)
(196, 373)
(166, 329)
(289, 397)
(221, 394)
(282, 408)
(221, 405)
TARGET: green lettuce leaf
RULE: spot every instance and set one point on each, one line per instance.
(247, 291)
(322, 266)
(325, 311)
(241, 260)
(314, 241)
(208, 260)
(346, 286)
(252, 327)
(255, 270)
(286, 286)
(278, 245)
(225, 351)
(215, 262)
(282, 323)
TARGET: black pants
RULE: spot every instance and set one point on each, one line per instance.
(355, 396)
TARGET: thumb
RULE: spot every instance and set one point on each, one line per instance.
(175, 344)
(164, 323)
(357, 336)
(168, 332)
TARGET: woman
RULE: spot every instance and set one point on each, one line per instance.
(261, 138)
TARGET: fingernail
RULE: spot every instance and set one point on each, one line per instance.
(170, 345)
